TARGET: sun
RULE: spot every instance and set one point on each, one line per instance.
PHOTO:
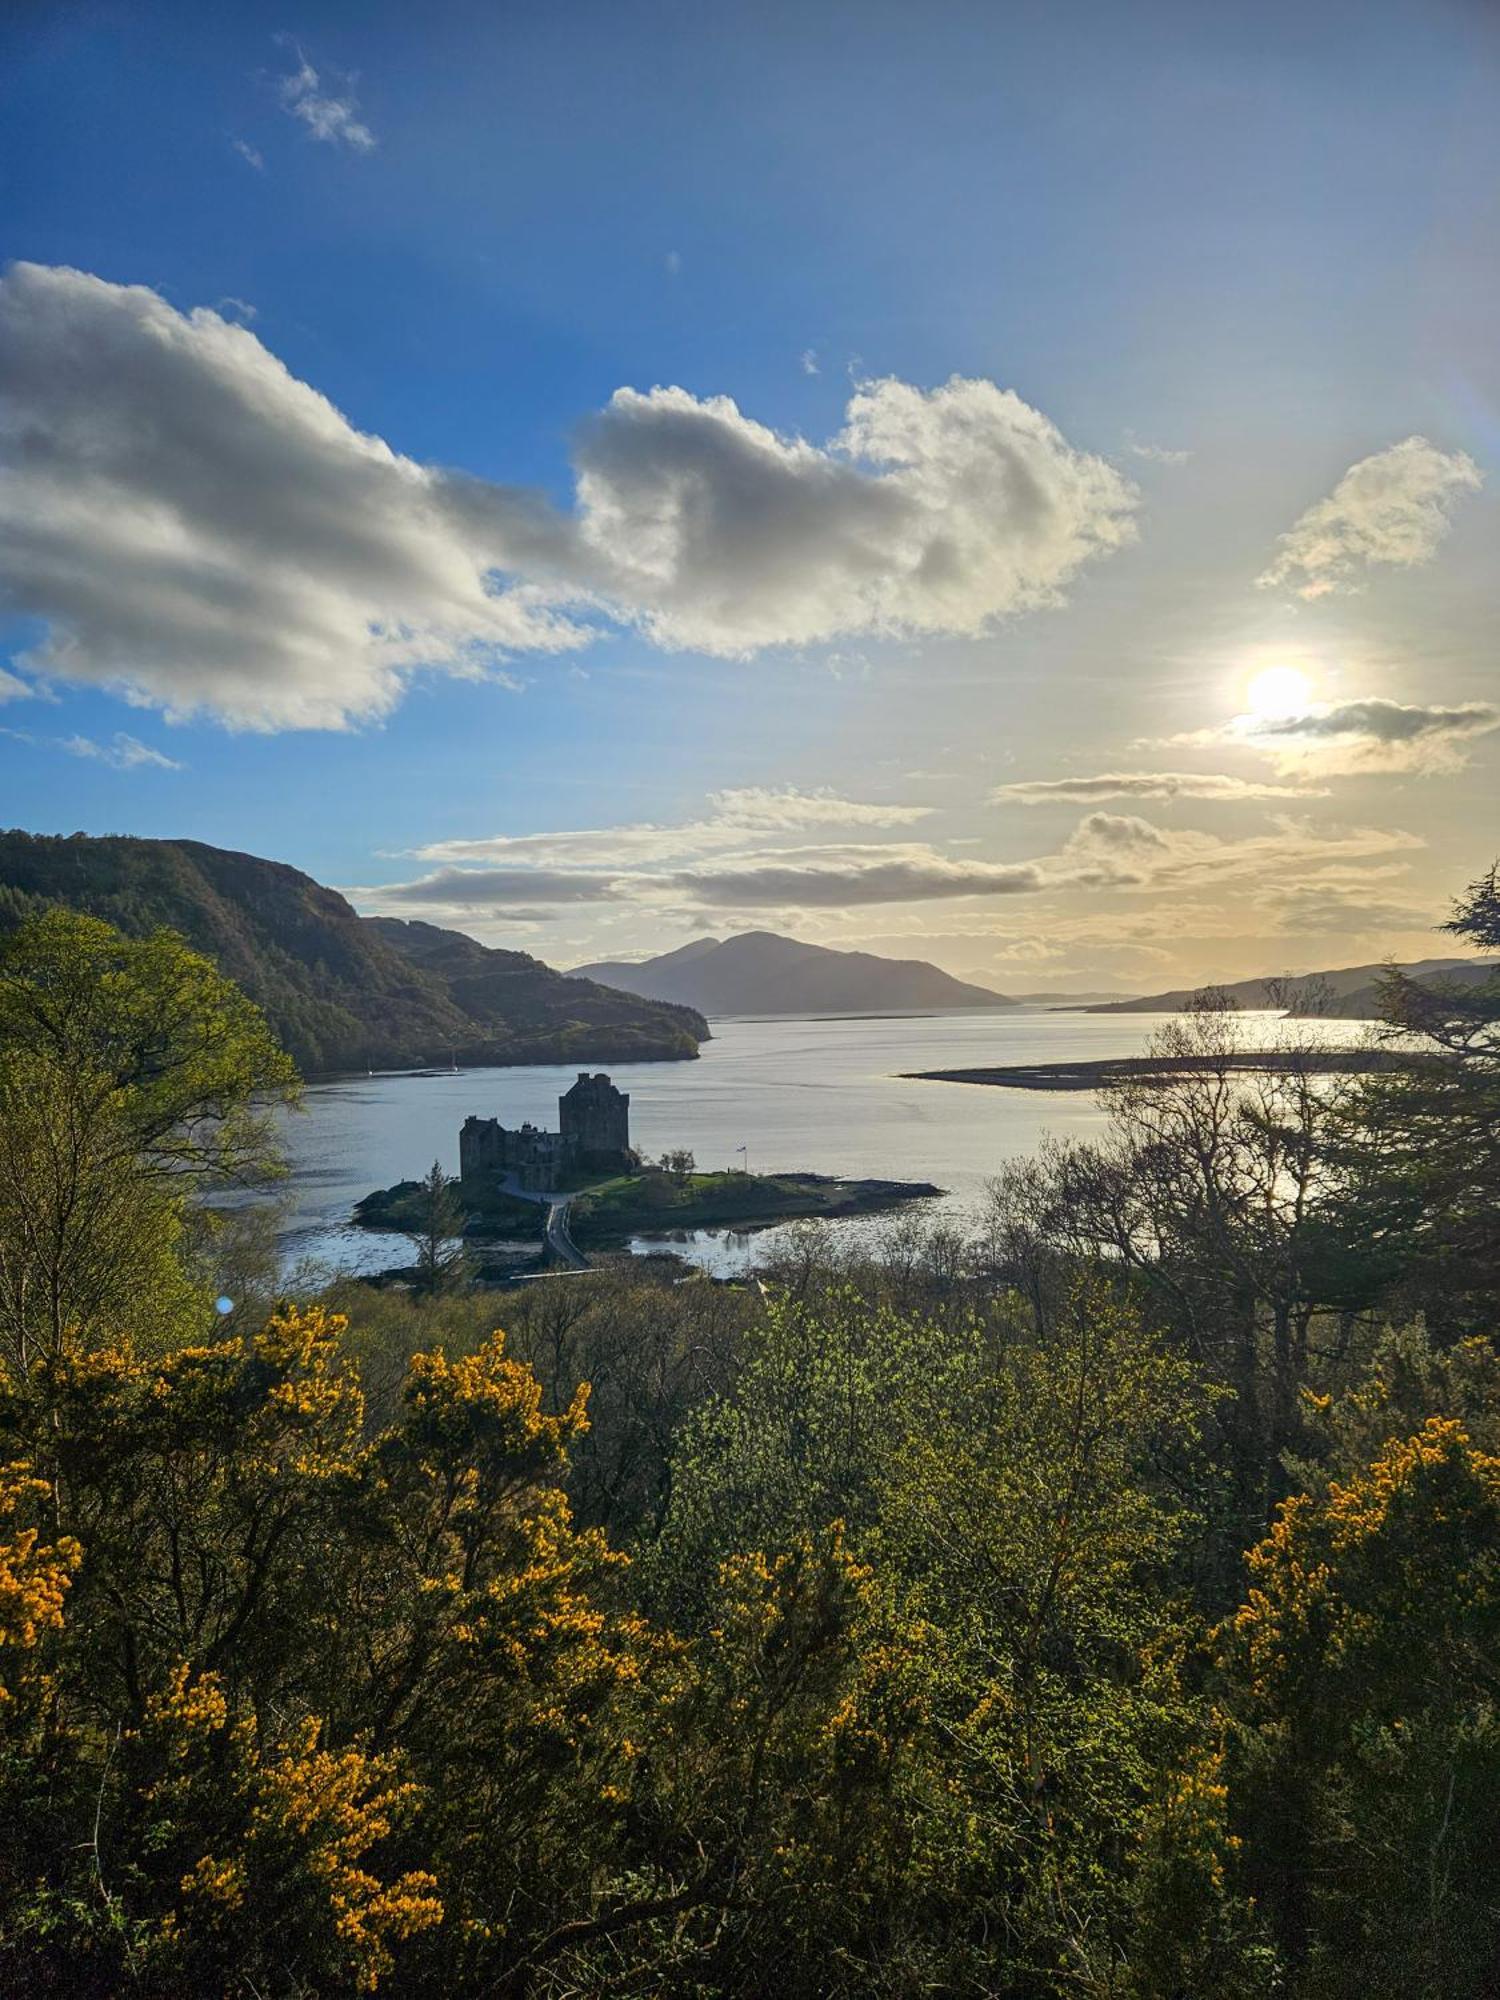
(1278, 691)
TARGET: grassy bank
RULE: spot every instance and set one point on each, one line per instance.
(652, 1202)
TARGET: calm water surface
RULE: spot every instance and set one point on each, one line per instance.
(822, 1094)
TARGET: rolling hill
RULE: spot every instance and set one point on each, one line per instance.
(341, 991)
(759, 972)
(1351, 993)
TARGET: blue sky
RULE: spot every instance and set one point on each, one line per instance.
(1226, 254)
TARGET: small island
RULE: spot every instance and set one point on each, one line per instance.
(526, 1193)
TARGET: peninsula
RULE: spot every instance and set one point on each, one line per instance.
(1101, 1073)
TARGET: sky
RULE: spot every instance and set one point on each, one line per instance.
(1009, 484)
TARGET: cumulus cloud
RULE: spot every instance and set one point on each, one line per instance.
(1392, 508)
(200, 529)
(931, 511)
(1143, 785)
(251, 155)
(1121, 836)
(1345, 738)
(12, 688)
(328, 116)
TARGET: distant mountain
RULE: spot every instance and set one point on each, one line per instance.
(1350, 994)
(341, 991)
(761, 973)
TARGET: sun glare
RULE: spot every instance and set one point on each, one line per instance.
(1278, 691)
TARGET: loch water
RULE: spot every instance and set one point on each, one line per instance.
(824, 1094)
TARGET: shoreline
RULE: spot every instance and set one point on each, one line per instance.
(1099, 1073)
(612, 1215)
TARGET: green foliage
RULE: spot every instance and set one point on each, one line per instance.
(133, 1077)
(436, 1230)
(1361, 1671)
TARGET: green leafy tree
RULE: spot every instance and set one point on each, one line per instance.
(134, 1079)
(442, 1262)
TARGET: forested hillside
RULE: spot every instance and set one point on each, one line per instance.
(341, 991)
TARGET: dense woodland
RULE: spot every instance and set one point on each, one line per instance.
(1102, 1603)
(340, 991)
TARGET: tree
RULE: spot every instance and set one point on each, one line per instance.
(134, 1079)
(1213, 1187)
(157, 1041)
(295, 1701)
(1422, 1150)
(942, 1741)
(442, 1261)
(1360, 1670)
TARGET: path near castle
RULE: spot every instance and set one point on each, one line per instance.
(560, 1245)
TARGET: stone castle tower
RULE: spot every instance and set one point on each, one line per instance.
(594, 1119)
(593, 1136)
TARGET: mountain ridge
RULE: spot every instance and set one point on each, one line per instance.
(341, 991)
(761, 972)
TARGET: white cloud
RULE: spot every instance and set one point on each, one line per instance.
(632, 866)
(1156, 454)
(251, 155)
(1346, 738)
(810, 361)
(12, 688)
(203, 531)
(765, 809)
(673, 263)
(736, 816)
(331, 118)
(932, 511)
(124, 753)
(1392, 508)
(1144, 785)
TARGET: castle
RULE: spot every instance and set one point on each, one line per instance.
(593, 1136)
